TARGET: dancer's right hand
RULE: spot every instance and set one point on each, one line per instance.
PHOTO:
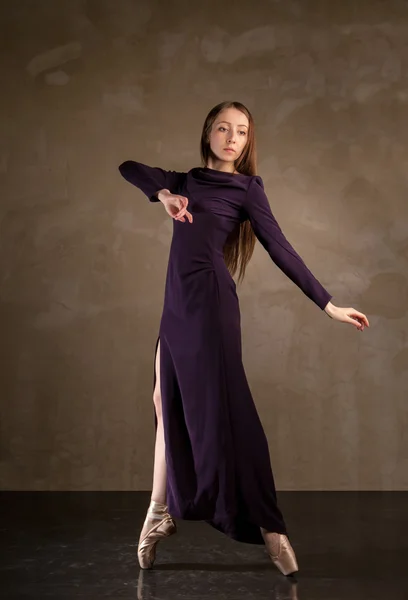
(175, 205)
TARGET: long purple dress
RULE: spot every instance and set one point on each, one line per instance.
(217, 455)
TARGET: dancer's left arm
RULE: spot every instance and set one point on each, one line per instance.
(269, 233)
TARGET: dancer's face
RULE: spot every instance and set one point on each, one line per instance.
(229, 130)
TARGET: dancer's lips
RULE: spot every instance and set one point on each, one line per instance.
(229, 149)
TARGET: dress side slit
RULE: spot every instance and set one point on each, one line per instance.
(155, 379)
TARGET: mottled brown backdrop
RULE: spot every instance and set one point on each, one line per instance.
(88, 84)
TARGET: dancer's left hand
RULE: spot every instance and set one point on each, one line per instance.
(347, 315)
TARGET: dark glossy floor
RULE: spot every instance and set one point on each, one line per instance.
(349, 545)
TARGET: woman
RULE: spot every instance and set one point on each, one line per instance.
(211, 454)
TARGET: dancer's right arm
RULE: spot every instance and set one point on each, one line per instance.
(151, 180)
(158, 185)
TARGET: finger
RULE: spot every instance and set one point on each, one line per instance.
(354, 322)
(182, 211)
(362, 321)
(188, 215)
(182, 201)
(360, 315)
(174, 211)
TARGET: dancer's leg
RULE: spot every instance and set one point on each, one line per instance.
(158, 524)
(159, 470)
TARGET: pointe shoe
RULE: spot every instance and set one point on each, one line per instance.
(281, 552)
(158, 524)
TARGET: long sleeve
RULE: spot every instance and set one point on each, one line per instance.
(151, 179)
(269, 233)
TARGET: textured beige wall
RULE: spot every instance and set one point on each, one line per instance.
(86, 85)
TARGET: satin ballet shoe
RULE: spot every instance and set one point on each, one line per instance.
(281, 552)
(158, 524)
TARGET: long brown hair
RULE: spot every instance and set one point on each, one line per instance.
(240, 243)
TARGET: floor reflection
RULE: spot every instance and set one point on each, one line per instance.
(349, 546)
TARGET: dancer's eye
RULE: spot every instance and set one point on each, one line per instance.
(244, 132)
